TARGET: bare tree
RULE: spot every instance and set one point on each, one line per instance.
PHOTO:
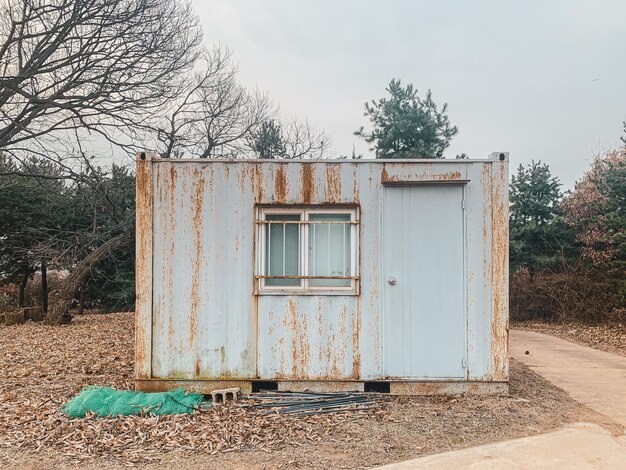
(295, 139)
(175, 128)
(213, 114)
(117, 73)
(94, 65)
(305, 141)
(75, 69)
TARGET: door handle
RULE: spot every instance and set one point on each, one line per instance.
(392, 281)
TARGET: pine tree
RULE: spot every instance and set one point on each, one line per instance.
(539, 238)
(268, 141)
(404, 125)
(31, 208)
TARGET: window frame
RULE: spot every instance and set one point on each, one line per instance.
(261, 288)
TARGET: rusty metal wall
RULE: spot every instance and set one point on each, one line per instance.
(206, 321)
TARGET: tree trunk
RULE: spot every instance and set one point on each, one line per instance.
(22, 297)
(44, 287)
(60, 298)
(81, 298)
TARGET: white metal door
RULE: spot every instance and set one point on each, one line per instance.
(423, 276)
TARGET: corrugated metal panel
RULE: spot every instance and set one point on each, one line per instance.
(204, 317)
(307, 337)
(208, 324)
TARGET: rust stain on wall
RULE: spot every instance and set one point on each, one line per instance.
(356, 331)
(197, 226)
(211, 171)
(280, 184)
(449, 176)
(384, 176)
(338, 354)
(485, 184)
(170, 233)
(499, 257)
(333, 183)
(293, 326)
(355, 183)
(303, 342)
(427, 175)
(258, 182)
(143, 318)
(320, 328)
(322, 386)
(308, 183)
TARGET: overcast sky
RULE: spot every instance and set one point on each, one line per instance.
(543, 80)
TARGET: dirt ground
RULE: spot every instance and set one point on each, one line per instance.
(43, 366)
(610, 338)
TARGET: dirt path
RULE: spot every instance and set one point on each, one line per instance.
(594, 378)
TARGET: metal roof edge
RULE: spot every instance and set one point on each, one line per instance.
(328, 160)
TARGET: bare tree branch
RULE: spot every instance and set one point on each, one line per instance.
(97, 65)
(305, 141)
(213, 114)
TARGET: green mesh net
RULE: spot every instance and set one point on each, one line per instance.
(105, 401)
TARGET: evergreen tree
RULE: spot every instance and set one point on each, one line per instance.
(111, 284)
(404, 125)
(539, 238)
(31, 209)
(268, 141)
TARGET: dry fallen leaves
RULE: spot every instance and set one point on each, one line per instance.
(45, 366)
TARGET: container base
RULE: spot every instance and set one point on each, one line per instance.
(395, 387)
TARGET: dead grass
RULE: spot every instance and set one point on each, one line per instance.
(605, 337)
(44, 366)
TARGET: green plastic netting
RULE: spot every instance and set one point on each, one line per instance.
(105, 401)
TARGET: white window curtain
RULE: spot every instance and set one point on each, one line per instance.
(329, 249)
(283, 249)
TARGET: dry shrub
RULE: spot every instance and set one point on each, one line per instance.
(10, 292)
(573, 294)
(9, 296)
(593, 209)
(32, 294)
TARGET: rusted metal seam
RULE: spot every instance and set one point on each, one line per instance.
(499, 267)
(144, 265)
(361, 161)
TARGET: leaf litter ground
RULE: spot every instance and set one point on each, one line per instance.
(43, 367)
